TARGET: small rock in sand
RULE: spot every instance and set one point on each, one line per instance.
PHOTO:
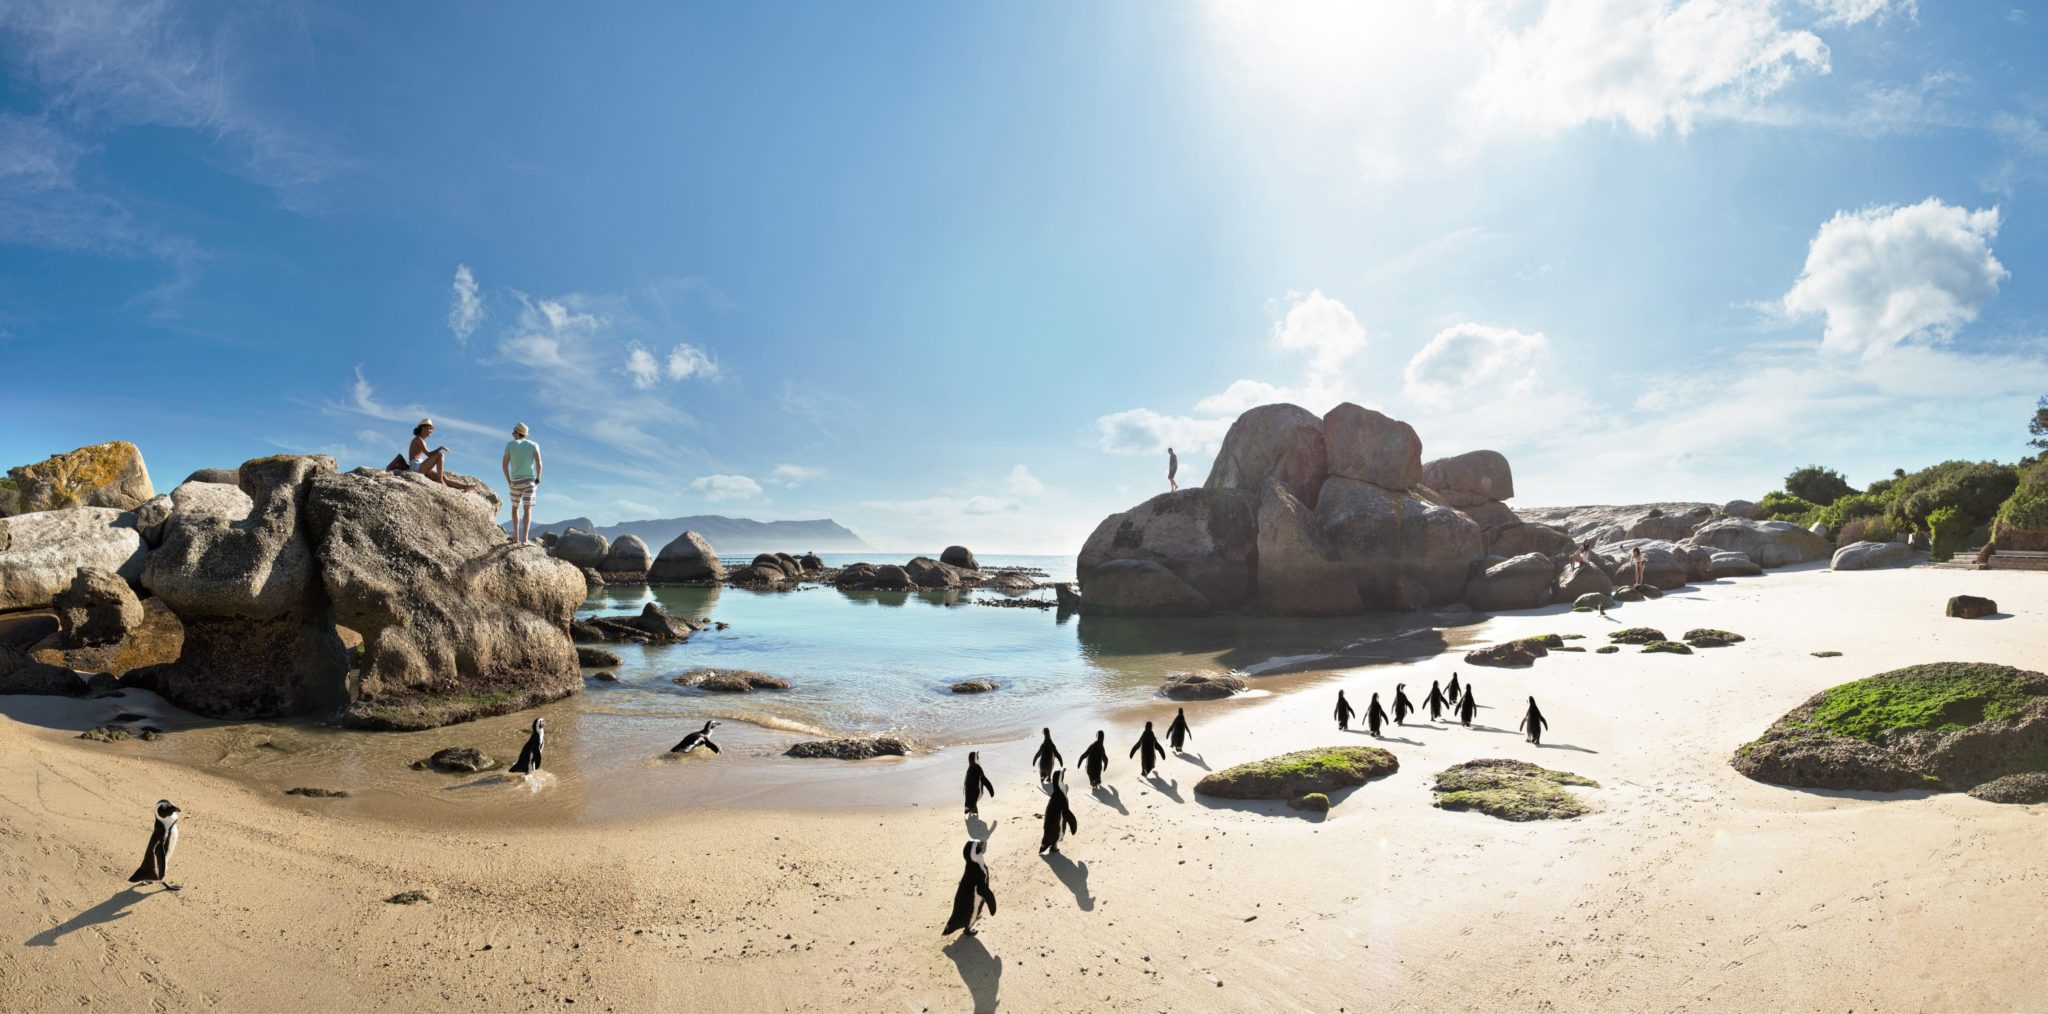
(973, 686)
(457, 759)
(854, 748)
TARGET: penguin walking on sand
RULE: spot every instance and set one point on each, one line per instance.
(976, 890)
(702, 737)
(1149, 743)
(1466, 707)
(1403, 707)
(163, 840)
(1435, 701)
(1059, 816)
(1344, 712)
(977, 783)
(1177, 733)
(1451, 692)
(529, 755)
(1375, 716)
(1095, 760)
(1533, 721)
(1047, 756)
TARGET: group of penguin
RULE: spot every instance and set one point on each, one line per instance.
(975, 895)
(1457, 699)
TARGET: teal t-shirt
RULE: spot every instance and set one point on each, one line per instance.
(525, 455)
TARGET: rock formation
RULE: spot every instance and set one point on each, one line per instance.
(1471, 478)
(41, 553)
(581, 548)
(627, 561)
(1871, 555)
(98, 609)
(1768, 543)
(1278, 443)
(1521, 583)
(686, 559)
(954, 556)
(103, 475)
(1205, 538)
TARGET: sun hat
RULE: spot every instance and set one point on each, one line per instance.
(426, 422)
(518, 429)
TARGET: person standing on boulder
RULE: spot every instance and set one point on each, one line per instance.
(1435, 702)
(1344, 712)
(1375, 716)
(1402, 705)
(1466, 707)
(1534, 723)
(1172, 470)
(1635, 553)
(522, 480)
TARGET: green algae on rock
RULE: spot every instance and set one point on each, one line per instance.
(1511, 790)
(1293, 775)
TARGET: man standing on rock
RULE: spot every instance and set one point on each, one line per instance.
(1172, 470)
(522, 478)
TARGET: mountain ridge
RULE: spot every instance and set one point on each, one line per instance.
(726, 534)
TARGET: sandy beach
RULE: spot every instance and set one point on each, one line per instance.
(1689, 887)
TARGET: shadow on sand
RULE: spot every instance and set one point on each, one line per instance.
(977, 827)
(1075, 876)
(1566, 746)
(1192, 758)
(981, 971)
(1281, 807)
(1107, 795)
(105, 912)
(1170, 788)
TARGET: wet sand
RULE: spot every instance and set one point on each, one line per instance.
(1688, 888)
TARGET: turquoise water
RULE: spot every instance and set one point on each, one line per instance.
(874, 662)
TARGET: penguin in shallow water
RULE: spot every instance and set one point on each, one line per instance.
(163, 840)
(1451, 692)
(1344, 712)
(1047, 756)
(529, 755)
(702, 737)
(1435, 702)
(1178, 733)
(1375, 716)
(1466, 707)
(1095, 760)
(1535, 723)
(1402, 705)
(1153, 751)
(977, 783)
(975, 890)
(1059, 816)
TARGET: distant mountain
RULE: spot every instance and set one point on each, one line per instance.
(726, 535)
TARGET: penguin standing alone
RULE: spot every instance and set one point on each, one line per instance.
(529, 755)
(1435, 701)
(1375, 716)
(977, 783)
(1178, 733)
(975, 890)
(1059, 816)
(1046, 757)
(702, 737)
(1095, 760)
(1466, 707)
(1535, 723)
(1153, 751)
(1402, 705)
(163, 840)
(1344, 712)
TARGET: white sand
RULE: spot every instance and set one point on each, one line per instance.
(1690, 888)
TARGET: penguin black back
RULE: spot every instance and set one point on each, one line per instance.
(529, 755)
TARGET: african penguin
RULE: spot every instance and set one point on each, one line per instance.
(701, 737)
(163, 840)
(975, 890)
(529, 755)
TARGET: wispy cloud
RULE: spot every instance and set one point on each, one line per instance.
(792, 476)
(362, 401)
(719, 488)
(465, 304)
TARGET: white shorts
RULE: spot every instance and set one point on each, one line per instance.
(523, 492)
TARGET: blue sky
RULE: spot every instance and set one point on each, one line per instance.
(959, 272)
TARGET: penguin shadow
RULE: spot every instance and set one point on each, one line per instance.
(977, 827)
(1167, 787)
(979, 970)
(1476, 727)
(1565, 746)
(1402, 739)
(1074, 875)
(531, 782)
(1193, 758)
(105, 912)
(1107, 796)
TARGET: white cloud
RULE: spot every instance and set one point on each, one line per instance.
(1022, 483)
(1321, 326)
(793, 476)
(725, 487)
(685, 361)
(363, 401)
(1885, 275)
(1851, 12)
(1143, 431)
(465, 306)
(1490, 361)
(640, 365)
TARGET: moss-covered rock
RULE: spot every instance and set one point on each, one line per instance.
(1667, 648)
(853, 748)
(2024, 787)
(731, 681)
(1709, 637)
(1510, 654)
(103, 475)
(1511, 790)
(1637, 635)
(1201, 686)
(310, 793)
(1606, 649)
(1293, 775)
(1313, 801)
(1945, 726)
(105, 734)
(1826, 654)
(414, 897)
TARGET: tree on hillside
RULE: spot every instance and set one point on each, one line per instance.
(1818, 485)
(2039, 427)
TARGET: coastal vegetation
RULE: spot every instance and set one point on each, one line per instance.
(1511, 790)
(1293, 775)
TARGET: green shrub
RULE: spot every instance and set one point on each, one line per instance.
(1818, 485)
(2027, 508)
(1780, 506)
(1854, 507)
(1976, 489)
(1951, 532)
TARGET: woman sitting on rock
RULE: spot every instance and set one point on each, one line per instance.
(430, 463)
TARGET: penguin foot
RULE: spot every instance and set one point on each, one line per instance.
(972, 932)
(168, 886)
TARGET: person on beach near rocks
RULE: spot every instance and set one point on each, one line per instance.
(1178, 733)
(977, 783)
(1584, 554)
(1344, 712)
(1467, 706)
(1435, 702)
(1534, 723)
(1172, 470)
(1635, 554)
(163, 840)
(430, 462)
(976, 890)
(1375, 716)
(1059, 816)
(1451, 692)
(1095, 760)
(521, 465)
(1402, 706)
(1046, 757)
(1149, 743)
